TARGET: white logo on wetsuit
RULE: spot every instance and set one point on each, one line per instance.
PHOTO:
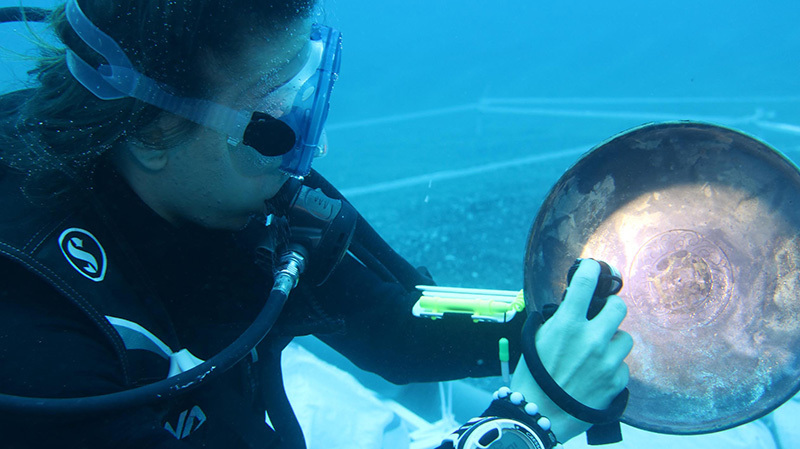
(186, 423)
(84, 253)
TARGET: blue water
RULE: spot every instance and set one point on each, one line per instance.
(417, 54)
(431, 87)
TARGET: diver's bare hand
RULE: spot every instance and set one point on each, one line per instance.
(585, 357)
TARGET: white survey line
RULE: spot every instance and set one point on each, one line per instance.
(460, 173)
(401, 117)
(778, 126)
(488, 106)
(627, 115)
(507, 106)
(639, 100)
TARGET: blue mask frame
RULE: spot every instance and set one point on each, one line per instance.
(297, 134)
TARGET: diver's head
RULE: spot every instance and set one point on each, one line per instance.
(179, 155)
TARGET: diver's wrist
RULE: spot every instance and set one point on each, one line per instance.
(510, 421)
(565, 426)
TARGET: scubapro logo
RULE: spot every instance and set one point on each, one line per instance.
(84, 253)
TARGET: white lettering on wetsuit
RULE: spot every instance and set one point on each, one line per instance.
(186, 422)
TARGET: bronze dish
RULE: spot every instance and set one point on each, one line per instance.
(702, 221)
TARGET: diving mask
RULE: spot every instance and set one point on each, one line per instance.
(289, 123)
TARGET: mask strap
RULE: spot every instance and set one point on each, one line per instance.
(118, 79)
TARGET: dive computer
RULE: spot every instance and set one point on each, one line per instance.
(509, 423)
(502, 433)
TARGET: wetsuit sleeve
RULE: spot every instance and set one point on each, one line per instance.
(381, 335)
(48, 349)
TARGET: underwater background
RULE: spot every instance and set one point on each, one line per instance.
(475, 110)
(451, 120)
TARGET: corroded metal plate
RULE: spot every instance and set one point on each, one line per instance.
(702, 221)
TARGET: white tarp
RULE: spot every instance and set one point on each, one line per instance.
(337, 412)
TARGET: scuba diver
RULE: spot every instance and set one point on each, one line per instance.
(164, 237)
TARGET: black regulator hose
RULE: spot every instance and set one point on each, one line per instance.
(22, 407)
(369, 247)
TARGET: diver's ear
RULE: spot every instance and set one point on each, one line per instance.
(149, 158)
(150, 148)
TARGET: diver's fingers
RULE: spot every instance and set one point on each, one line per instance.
(622, 377)
(619, 347)
(611, 316)
(580, 290)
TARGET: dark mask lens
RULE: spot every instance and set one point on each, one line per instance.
(268, 135)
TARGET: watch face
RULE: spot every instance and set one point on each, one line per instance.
(500, 433)
(513, 439)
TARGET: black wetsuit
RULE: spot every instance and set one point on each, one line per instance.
(197, 289)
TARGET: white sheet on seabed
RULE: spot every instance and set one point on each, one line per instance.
(336, 411)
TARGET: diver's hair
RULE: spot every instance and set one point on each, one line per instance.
(60, 133)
